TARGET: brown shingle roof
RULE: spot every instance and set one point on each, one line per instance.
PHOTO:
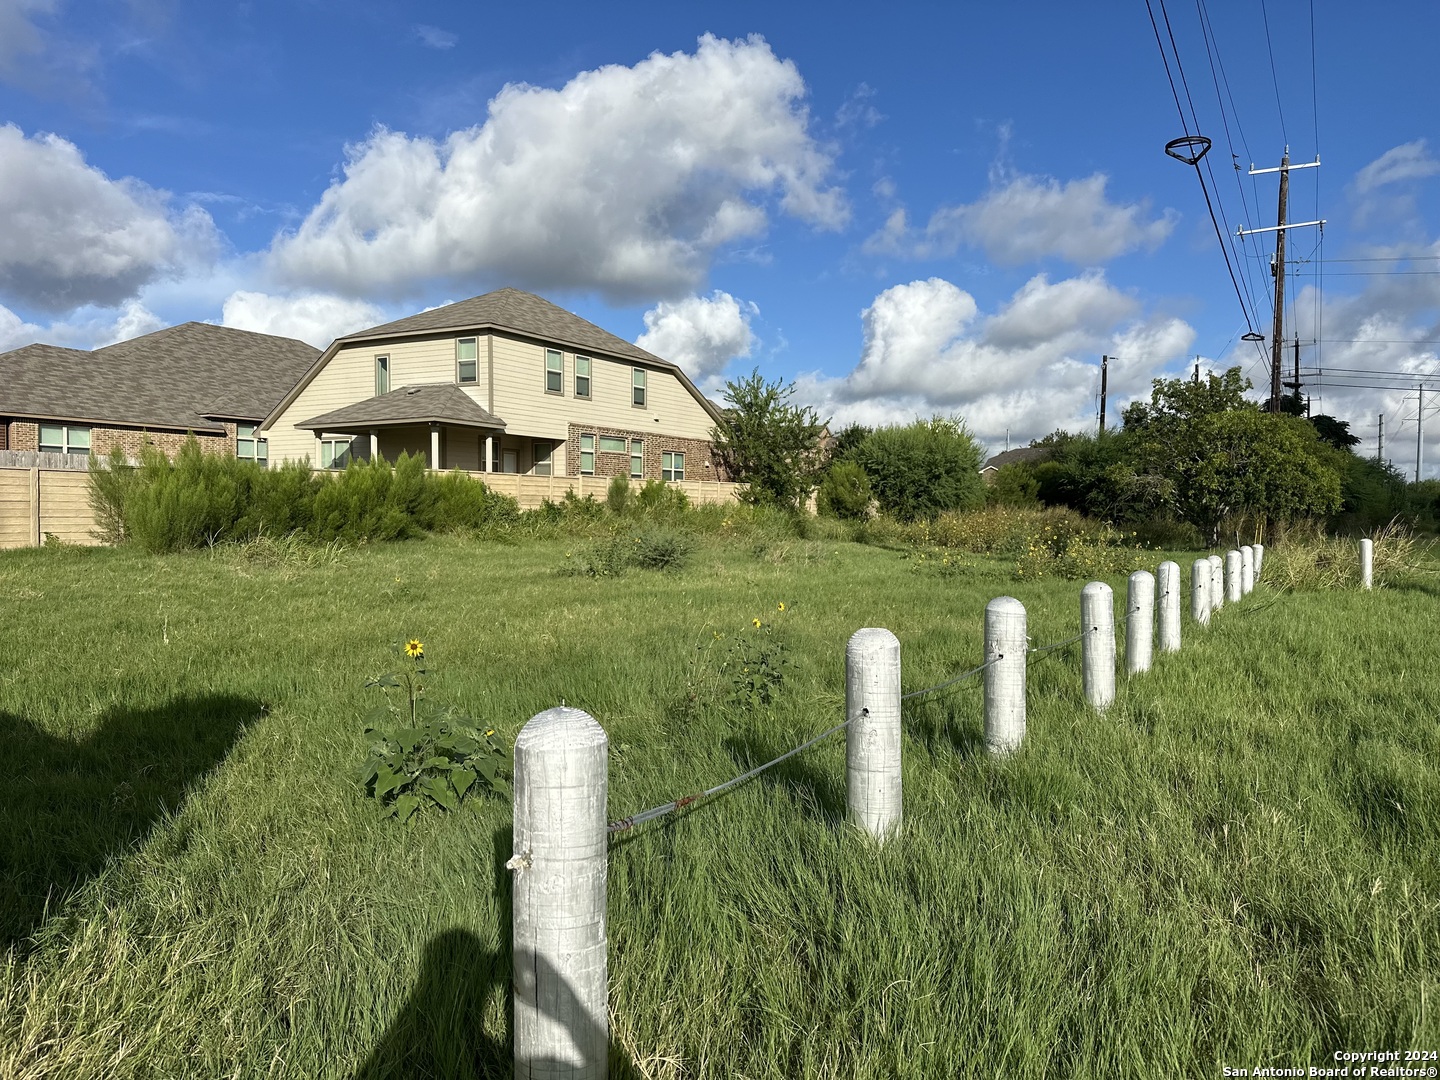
(513, 309)
(443, 403)
(186, 377)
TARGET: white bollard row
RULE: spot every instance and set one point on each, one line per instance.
(1139, 621)
(1169, 585)
(1005, 652)
(872, 741)
(1232, 576)
(1097, 647)
(561, 987)
(1247, 570)
(1200, 591)
(1217, 583)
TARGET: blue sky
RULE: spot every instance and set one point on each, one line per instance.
(906, 210)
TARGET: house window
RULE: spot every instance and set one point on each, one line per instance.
(587, 455)
(637, 382)
(249, 446)
(466, 360)
(582, 376)
(637, 457)
(611, 445)
(335, 453)
(540, 455)
(554, 371)
(672, 466)
(382, 375)
(64, 439)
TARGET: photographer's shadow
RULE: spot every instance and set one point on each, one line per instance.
(440, 1032)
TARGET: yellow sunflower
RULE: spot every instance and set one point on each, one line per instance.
(755, 623)
(414, 648)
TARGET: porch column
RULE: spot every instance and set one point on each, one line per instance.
(489, 452)
(374, 444)
(434, 446)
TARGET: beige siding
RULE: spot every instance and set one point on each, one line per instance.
(349, 377)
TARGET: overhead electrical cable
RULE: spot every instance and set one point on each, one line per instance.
(1274, 78)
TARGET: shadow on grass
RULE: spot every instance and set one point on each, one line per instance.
(69, 805)
(440, 1033)
(949, 720)
(819, 792)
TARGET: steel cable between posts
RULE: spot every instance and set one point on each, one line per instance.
(951, 682)
(627, 823)
(1042, 649)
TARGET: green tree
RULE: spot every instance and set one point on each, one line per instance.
(924, 468)
(769, 443)
(1013, 485)
(1207, 453)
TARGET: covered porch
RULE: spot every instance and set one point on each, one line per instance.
(437, 421)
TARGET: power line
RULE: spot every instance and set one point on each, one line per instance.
(1274, 78)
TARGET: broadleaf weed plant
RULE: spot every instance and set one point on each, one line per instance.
(426, 755)
(743, 671)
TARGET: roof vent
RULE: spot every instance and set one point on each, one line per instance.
(412, 390)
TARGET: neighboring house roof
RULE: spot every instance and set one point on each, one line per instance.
(442, 403)
(186, 377)
(510, 310)
(1020, 453)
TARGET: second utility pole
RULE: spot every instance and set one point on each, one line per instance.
(1104, 386)
(1277, 337)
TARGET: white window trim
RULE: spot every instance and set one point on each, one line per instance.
(64, 443)
(674, 457)
(637, 450)
(592, 452)
(474, 360)
(639, 381)
(383, 358)
(589, 378)
(560, 371)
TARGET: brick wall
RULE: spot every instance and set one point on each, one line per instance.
(698, 453)
(25, 435)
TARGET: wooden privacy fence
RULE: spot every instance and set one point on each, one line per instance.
(39, 501)
(560, 831)
(49, 495)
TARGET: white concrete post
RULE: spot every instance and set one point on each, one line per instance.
(1139, 621)
(561, 991)
(1367, 562)
(1259, 559)
(872, 741)
(489, 454)
(1232, 576)
(435, 446)
(1247, 570)
(374, 445)
(1005, 652)
(1200, 591)
(1217, 583)
(1168, 584)
(1097, 621)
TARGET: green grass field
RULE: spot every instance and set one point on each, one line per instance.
(1235, 865)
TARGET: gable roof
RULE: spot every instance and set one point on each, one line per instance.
(186, 377)
(1020, 453)
(443, 403)
(503, 310)
(512, 309)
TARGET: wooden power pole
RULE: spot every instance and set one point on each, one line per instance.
(1104, 388)
(1277, 335)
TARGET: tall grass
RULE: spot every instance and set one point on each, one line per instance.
(1235, 864)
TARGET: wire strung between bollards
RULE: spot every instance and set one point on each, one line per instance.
(951, 682)
(689, 800)
(1060, 644)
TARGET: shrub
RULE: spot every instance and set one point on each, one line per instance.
(457, 501)
(1005, 530)
(372, 501)
(845, 492)
(660, 549)
(1013, 485)
(923, 469)
(195, 501)
(112, 481)
(659, 500)
(617, 495)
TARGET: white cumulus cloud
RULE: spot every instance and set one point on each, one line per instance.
(1408, 161)
(1023, 371)
(73, 236)
(90, 328)
(1026, 218)
(436, 38)
(701, 334)
(313, 317)
(626, 180)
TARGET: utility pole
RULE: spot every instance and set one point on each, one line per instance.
(1104, 387)
(1419, 431)
(1197, 369)
(1277, 335)
(1295, 383)
(1380, 454)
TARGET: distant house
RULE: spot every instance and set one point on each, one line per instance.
(210, 381)
(1032, 454)
(504, 382)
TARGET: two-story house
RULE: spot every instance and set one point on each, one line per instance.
(504, 382)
